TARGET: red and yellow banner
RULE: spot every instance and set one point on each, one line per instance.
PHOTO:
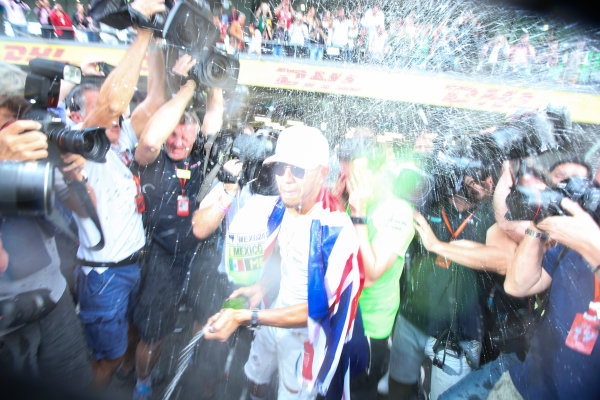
(347, 79)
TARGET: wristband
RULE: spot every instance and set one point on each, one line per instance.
(540, 235)
(358, 220)
(254, 319)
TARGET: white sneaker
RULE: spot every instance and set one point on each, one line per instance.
(382, 386)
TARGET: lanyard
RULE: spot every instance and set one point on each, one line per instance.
(181, 180)
(460, 228)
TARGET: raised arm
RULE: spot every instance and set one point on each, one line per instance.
(162, 124)
(118, 88)
(525, 275)
(213, 118)
(474, 255)
(156, 95)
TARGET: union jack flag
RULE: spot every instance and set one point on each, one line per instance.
(335, 281)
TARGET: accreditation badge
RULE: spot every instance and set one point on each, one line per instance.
(583, 334)
(183, 206)
(442, 262)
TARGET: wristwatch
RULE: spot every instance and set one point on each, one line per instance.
(254, 319)
(532, 233)
(358, 220)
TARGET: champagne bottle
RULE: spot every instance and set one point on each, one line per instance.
(237, 303)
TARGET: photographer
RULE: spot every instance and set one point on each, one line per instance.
(243, 208)
(169, 159)
(563, 358)
(441, 316)
(41, 338)
(108, 279)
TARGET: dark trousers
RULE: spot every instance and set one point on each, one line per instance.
(364, 385)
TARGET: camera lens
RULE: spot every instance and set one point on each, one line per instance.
(26, 188)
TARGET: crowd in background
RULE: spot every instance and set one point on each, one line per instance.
(353, 33)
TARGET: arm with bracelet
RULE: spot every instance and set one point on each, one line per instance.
(216, 204)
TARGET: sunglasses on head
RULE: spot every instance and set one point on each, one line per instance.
(279, 170)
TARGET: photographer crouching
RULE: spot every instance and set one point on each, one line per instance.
(41, 338)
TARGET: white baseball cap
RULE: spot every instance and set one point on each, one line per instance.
(301, 146)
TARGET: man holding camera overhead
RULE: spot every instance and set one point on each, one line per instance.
(108, 279)
(170, 159)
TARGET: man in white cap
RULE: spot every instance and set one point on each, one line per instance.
(319, 280)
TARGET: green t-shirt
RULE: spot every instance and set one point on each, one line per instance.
(389, 221)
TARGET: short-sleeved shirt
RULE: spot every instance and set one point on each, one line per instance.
(389, 221)
(246, 233)
(115, 191)
(435, 296)
(552, 370)
(162, 188)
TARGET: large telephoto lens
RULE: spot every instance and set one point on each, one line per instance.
(91, 143)
(26, 188)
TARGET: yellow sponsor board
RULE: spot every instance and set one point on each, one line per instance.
(415, 87)
(350, 80)
(20, 52)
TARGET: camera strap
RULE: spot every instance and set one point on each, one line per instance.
(81, 193)
(212, 175)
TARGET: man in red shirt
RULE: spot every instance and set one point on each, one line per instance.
(61, 20)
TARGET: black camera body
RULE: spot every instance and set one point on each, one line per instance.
(251, 151)
(528, 204)
(27, 189)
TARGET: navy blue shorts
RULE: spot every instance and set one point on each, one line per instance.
(106, 303)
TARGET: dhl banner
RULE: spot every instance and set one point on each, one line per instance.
(415, 87)
(347, 79)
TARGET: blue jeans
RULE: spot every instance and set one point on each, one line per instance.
(479, 383)
(316, 52)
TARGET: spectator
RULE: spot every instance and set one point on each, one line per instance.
(317, 40)
(378, 45)
(237, 36)
(93, 34)
(15, 14)
(372, 19)
(300, 167)
(263, 14)
(268, 34)
(495, 54)
(63, 27)
(280, 37)
(298, 35)
(44, 19)
(361, 50)
(285, 13)
(522, 55)
(339, 34)
(79, 20)
(255, 45)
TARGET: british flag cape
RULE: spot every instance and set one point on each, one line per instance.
(335, 281)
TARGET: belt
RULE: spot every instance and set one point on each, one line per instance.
(126, 261)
